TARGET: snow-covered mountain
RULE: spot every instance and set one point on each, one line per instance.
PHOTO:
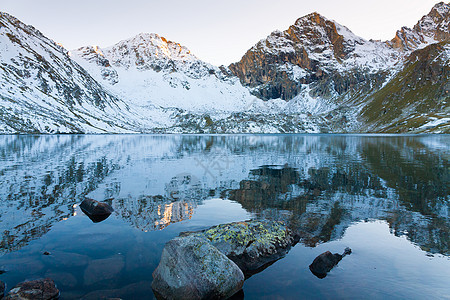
(432, 28)
(148, 70)
(321, 62)
(43, 90)
(316, 76)
(311, 50)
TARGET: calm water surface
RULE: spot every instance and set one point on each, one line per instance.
(386, 197)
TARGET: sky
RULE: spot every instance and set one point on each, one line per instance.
(218, 32)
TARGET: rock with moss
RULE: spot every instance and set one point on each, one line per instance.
(252, 245)
(192, 268)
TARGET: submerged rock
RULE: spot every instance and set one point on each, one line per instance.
(64, 260)
(2, 289)
(192, 268)
(252, 245)
(95, 210)
(137, 290)
(103, 269)
(326, 261)
(40, 289)
(64, 279)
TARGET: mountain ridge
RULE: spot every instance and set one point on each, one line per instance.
(420, 35)
(316, 76)
(43, 89)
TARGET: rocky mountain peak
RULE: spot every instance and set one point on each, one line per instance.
(308, 51)
(436, 24)
(441, 11)
(145, 49)
(432, 28)
(315, 30)
(93, 53)
(313, 17)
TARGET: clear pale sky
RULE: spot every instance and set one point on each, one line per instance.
(218, 32)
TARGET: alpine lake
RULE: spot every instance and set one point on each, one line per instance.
(384, 196)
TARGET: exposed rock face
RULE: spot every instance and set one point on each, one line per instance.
(321, 59)
(312, 50)
(433, 27)
(95, 210)
(41, 289)
(95, 55)
(191, 268)
(252, 245)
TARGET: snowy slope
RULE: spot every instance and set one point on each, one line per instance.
(150, 71)
(43, 90)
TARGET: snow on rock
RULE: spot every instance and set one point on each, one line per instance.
(432, 28)
(150, 71)
(44, 90)
(312, 77)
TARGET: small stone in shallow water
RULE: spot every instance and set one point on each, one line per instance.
(42, 289)
(46, 253)
(64, 260)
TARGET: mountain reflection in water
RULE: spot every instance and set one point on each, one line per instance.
(318, 184)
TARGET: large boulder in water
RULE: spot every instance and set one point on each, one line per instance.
(326, 261)
(252, 245)
(191, 268)
(95, 210)
(41, 289)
